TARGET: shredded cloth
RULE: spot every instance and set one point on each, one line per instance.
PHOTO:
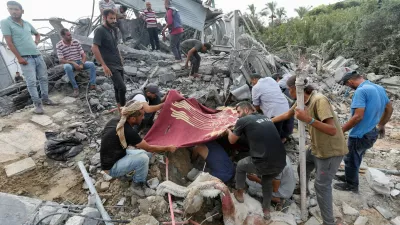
(185, 122)
(125, 113)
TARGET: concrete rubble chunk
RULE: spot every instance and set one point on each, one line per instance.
(121, 202)
(361, 220)
(373, 77)
(378, 181)
(176, 67)
(20, 167)
(153, 183)
(60, 218)
(92, 212)
(397, 186)
(144, 219)
(279, 217)
(384, 212)
(42, 120)
(60, 115)
(95, 160)
(104, 186)
(156, 205)
(348, 210)
(167, 77)
(394, 193)
(312, 221)
(131, 70)
(395, 221)
(75, 220)
(192, 175)
(67, 100)
(45, 211)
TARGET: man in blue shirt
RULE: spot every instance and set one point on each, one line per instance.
(371, 109)
(18, 34)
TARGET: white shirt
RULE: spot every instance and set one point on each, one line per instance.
(285, 78)
(139, 98)
(268, 95)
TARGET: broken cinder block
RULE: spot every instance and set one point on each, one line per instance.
(20, 167)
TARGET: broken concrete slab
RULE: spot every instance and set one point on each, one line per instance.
(378, 181)
(45, 212)
(312, 221)
(348, 210)
(395, 221)
(154, 205)
(394, 193)
(42, 120)
(67, 100)
(20, 167)
(59, 219)
(144, 219)
(75, 220)
(104, 186)
(92, 212)
(373, 77)
(384, 212)
(361, 220)
(131, 70)
(17, 209)
(166, 77)
(8, 152)
(60, 115)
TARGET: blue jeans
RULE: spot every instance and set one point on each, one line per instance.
(69, 70)
(36, 70)
(357, 149)
(135, 160)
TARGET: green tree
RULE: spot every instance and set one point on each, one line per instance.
(252, 9)
(271, 6)
(302, 11)
(280, 12)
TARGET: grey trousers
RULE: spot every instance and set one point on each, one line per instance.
(176, 45)
(245, 166)
(325, 171)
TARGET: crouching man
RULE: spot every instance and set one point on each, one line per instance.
(267, 153)
(123, 151)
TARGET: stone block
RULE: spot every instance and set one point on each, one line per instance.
(75, 220)
(104, 186)
(378, 181)
(176, 67)
(144, 219)
(131, 70)
(95, 160)
(348, 210)
(361, 220)
(67, 100)
(394, 193)
(61, 115)
(20, 167)
(42, 120)
(312, 221)
(166, 77)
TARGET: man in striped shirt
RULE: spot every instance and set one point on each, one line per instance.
(71, 54)
(151, 20)
(107, 4)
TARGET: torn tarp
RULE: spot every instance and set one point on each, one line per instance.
(61, 149)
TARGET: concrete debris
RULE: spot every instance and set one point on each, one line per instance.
(153, 183)
(60, 218)
(395, 221)
(92, 212)
(384, 212)
(153, 205)
(312, 221)
(378, 181)
(104, 186)
(95, 160)
(394, 193)
(348, 210)
(134, 200)
(361, 220)
(397, 186)
(75, 220)
(144, 219)
(45, 211)
(42, 120)
(20, 167)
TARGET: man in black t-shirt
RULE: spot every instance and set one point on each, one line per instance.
(267, 153)
(124, 151)
(191, 48)
(105, 50)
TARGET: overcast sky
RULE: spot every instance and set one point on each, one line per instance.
(74, 9)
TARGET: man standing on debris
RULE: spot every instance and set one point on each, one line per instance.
(268, 98)
(71, 54)
(107, 4)
(328, 145)
(191, 48)
(152, 102)
(105, 49)
(151, 22)
(123, 152)
(175, 27)
(18, 34)
(370, 108)
(267, 153)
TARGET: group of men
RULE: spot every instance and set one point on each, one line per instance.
(264, 125)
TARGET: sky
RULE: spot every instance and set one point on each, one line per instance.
(75, 9)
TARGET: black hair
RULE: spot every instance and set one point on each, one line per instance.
(107, 12)
(291, 82)
(276, 76)
(124, 8)
(255, 76)
(15, 4)
(245, 105)
(207, 45)
(63, 31)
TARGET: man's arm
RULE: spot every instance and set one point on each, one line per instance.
(354, 120)
(384, 119)
(189, 55)
(232, 137)
(97, 54)
(326, 126)
(287, 115)
(84, 57)
(37, 38)
(170, 21)
(13, 49)
(155, 148)
(152, 108)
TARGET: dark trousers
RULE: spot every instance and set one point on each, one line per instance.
(176, 45)
(195, 61)
(153, 35)
(357, 149)
(325, 170)
(245, 166)
(285, 128)
(119, 85)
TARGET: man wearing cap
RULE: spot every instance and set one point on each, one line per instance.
(152, 102)
(123, 153)
(371, 109)
(191, 48)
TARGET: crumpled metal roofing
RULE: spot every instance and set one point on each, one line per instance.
(193, 13)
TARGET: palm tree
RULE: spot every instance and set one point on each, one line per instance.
(252, 9)
(280, 12)
(302, 11)
(271, 6)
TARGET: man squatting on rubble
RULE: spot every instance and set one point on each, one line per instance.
(370, 108)
(152, 28)
(18, 34)
(174, 25)
(327, 144)
(267, 153)
(105, 49)
(123, 151)
(268, 98)
(71, 54)
(191, 48)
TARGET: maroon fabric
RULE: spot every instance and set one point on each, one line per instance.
(185, 122)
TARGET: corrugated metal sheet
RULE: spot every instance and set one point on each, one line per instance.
(193, 14)
(5, 76)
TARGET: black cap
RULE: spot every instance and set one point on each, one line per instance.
(347, 76)
(153, 88)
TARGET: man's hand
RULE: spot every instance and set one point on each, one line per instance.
(165, 97)
(172, 148)
(381, 130)
(302, 115)
(77, 66)
(186, 65)
(107, 71)
(22, 61)
(36, 42)
(254, 178)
